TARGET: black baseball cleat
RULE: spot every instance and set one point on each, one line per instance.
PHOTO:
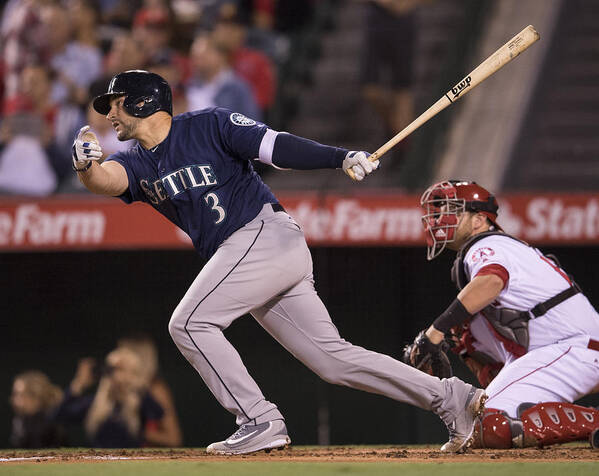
(250, 438)
(461, 430)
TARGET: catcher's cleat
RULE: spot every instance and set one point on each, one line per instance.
(461, 430)
(250, 438)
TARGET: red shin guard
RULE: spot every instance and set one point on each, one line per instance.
(556, 422)
(540, 425)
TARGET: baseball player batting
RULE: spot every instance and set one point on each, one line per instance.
(196, 170)
(519, 322)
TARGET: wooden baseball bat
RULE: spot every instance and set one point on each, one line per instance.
(500, 58)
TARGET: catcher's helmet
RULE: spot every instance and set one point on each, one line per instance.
(443, 202)
(145, 93)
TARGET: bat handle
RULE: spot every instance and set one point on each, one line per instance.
(374, 156)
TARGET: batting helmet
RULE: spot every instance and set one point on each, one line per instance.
(443, 202)
(145, 93)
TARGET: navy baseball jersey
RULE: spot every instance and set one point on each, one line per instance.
(201, 177)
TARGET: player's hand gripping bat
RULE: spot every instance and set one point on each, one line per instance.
(500, 58)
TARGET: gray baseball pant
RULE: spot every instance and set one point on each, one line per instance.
(265, 268)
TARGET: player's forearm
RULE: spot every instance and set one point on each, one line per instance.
(95, 179)
(293, 152)
(478, 294)
(98, 179)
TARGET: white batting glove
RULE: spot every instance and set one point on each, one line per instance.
(358, 163)
(85, 149)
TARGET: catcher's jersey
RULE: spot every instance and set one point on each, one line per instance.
(201, 177)
(533, 278)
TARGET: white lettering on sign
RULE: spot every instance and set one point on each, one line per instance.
(376, 220)
(550, 218)
(30, 225)
(348, 220)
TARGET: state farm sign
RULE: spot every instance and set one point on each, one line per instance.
(28, 224)
(371, 219)
(355, 220)
(395, 219)
(78, 223)
(552, 218)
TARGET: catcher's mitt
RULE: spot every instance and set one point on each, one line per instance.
(428, 357)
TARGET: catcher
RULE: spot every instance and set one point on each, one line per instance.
(520, 323)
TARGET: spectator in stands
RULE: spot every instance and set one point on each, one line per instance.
(251, 65)
(214, 83)
(23, 41)
(76, 60)
(262, 35)
(118, 12)
(387, 59)
(201, 13)
(84, 15)
(152, 29)
(125, 53)
(33, 96)
(54, 126)
(33, 400)
(26, 134)
(174, 76)
(166, 431)
(120, 410)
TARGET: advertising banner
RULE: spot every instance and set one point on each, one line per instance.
(369, 219)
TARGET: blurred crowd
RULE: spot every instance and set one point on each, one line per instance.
(120, 403)
(57, 54)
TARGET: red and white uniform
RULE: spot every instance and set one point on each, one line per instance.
(559, 364)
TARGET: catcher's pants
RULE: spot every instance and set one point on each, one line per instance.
(560, 372)
(265, 268)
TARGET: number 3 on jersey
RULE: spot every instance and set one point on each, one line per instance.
(213, 197)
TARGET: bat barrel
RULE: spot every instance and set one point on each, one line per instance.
(503, 55)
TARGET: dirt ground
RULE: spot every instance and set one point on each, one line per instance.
(579, 452)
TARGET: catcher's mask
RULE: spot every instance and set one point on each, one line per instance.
(444, 202)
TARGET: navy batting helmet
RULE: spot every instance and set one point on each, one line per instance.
(145, 93)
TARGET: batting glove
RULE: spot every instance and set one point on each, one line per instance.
(358, 163)
(85, 149)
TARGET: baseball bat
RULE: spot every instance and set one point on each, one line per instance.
(497, 60)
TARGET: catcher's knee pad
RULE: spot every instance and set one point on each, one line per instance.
(497, 430)
(557, 422)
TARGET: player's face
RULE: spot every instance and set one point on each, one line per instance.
(123, 123)
(462, 232)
